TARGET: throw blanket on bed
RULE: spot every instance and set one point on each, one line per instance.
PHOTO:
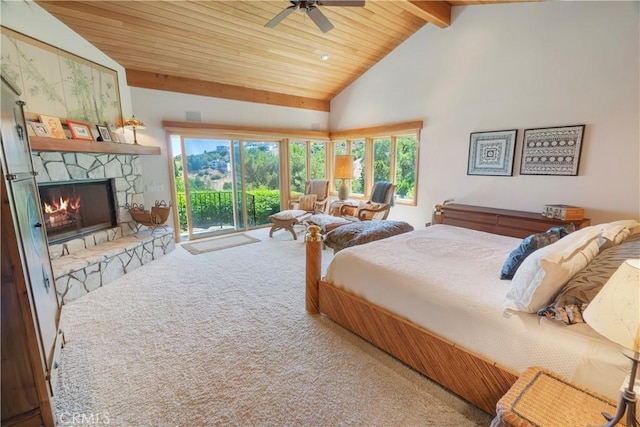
(358, 233)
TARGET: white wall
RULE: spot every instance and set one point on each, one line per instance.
(28, 18)
(514, 66)
(154, 106)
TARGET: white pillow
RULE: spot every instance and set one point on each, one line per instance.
(543, 273)
(613, 233)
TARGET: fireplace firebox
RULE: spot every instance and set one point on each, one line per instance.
(76, 208)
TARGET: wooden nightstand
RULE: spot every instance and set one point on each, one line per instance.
(543, 398)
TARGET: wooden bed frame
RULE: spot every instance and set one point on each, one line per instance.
(475, 378)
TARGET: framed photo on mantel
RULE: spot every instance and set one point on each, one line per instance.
(80, 130)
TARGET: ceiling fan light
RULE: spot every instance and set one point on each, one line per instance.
(324, 56)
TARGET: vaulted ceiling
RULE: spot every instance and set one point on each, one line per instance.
(222, 48)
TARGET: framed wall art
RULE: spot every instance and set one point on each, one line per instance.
(492, 153)
(59, 84)
(552, 151)
(80, 130)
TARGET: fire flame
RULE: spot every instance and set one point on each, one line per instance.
(64, 205)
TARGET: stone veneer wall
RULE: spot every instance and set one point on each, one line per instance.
(86, 263)
(126, 169)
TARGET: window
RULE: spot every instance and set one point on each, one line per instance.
(385, 153)
(297, 166)
(382, 159)
(307, 160)
(359, 166)
(406, 167)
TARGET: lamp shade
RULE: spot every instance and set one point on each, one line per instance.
(133, 123)
(615, 311)
(344, 166)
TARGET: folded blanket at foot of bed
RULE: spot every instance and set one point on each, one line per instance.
(358, 233)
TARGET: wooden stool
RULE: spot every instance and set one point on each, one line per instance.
(286, 220)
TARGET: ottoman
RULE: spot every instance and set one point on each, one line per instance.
(285, 220)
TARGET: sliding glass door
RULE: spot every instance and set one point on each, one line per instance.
(224, 185)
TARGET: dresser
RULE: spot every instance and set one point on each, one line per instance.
(501, 221)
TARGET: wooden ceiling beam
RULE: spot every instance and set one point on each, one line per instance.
(169, 83)
(436, 12)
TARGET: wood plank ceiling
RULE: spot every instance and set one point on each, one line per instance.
(222, 49)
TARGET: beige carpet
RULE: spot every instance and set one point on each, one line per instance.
(222, 339)
(198, 247)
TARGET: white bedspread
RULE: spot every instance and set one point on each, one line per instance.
(447, 280)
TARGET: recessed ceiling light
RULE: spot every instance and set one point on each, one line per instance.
(324, 56)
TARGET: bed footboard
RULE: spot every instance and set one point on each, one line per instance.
(469, 375)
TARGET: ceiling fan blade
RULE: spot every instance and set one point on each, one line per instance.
(279, 17)
(319, 19)
(343, 3)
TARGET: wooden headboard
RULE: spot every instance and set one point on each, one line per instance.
(500, 221)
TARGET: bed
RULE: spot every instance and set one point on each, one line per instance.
(452, 327)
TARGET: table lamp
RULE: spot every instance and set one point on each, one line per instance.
(134, 124)
(343, 170)
(615, 314)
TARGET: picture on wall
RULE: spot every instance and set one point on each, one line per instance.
(492, 153)
(59, 84)
(552, 151)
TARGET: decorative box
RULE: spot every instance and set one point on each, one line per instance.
(563, 212)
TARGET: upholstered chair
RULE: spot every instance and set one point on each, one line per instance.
(377, 207)
(315, 197)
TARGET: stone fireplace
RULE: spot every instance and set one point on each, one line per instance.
(76, 208)
(90, 249)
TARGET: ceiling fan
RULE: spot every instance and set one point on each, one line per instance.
(310, 8)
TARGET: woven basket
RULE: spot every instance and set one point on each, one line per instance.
(154, 218)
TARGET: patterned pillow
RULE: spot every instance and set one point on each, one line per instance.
(526, 248)
(585, 285)
(307, 202)
(367, 215)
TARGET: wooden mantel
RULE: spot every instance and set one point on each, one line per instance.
(41, 143)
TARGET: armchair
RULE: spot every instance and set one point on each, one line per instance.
(377, 207)
(315, 197)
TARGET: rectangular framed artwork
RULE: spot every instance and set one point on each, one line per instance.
(60, 84)
(80, 130)
(552, 151)
(40, 129)
(492, 153)
(53, 126)
(105, 135)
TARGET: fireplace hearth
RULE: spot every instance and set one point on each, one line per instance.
(75, 208)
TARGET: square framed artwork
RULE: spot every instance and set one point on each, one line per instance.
(105, 135)
(80, 130)
(492, 153)
(552, 151)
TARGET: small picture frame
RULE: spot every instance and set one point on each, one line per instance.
(54, 126)
(113, 131)
(105, 135)
(40, 129)
(552, 151)
(492, 153)
(80, 130)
